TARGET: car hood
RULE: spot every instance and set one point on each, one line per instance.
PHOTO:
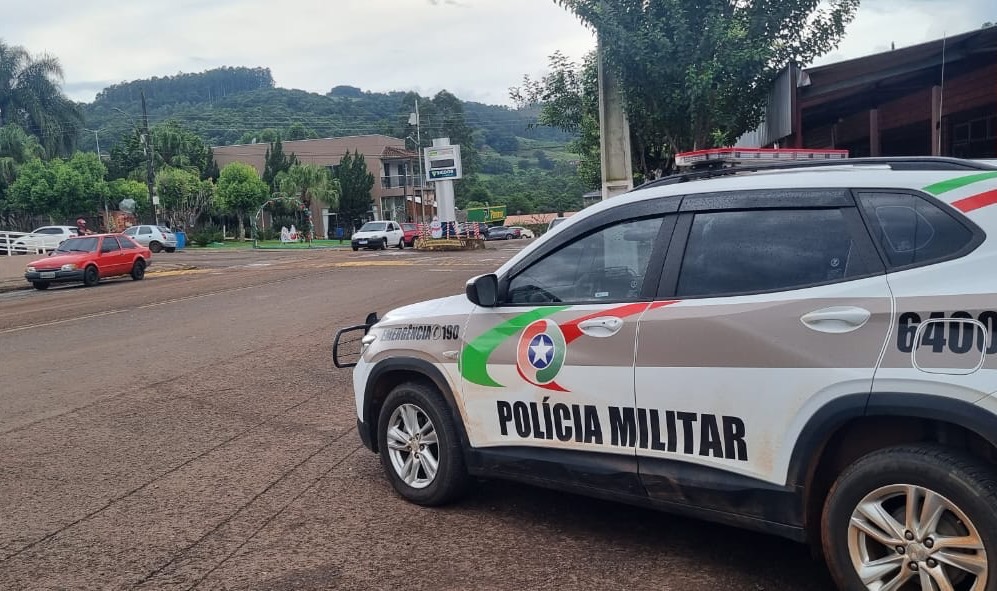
(422, 311)
(60, 260)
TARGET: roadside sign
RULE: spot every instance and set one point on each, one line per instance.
(443, 163)
(495, 213)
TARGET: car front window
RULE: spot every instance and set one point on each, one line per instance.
(88, 244)
(607, 265)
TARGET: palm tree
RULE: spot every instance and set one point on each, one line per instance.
(307, 182)
(16, 148)
(31, 96)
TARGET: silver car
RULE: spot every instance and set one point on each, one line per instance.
(157, 238)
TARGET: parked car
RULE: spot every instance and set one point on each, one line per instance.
(89, 259)
(522, 232)
(157, 238)
(808, 352)
(411, 233)
(44, 238)
(380, 234)
(500, 233)
(555, 222)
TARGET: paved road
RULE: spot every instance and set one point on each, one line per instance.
(189, 431)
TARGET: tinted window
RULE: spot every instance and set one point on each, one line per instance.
(88, 244)
(373, 227)
(607, 265)
(734, 252)
(131, 231)
(48, 231)
(911, 229)
(109, 244)
(145, 230)
(126, 243)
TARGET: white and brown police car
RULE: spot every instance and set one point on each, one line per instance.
(808, 350)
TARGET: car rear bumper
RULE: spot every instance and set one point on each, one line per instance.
(53, 276)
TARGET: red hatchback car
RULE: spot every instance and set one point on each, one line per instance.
(90, 259)
(411, 233)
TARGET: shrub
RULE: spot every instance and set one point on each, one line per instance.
(205, 235)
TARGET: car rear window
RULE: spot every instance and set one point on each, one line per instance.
(741, 252)
(911, 230)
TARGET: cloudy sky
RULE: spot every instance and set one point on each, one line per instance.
(476, 49)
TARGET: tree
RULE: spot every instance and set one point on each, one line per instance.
(355, 184)
(502, 141)
(297, 131)
(16, 148)
(183, 196)
(693, 74)
(60, 188)
(177, 147)
(31, 97)
(308, 182)
(275, 162)
(120, 190)
(241, 190)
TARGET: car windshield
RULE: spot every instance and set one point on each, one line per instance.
(88, 244)
(408, 226)
(372, 227)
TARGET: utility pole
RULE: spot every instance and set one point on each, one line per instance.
(418, 159)
(148, 162)
(614, 133)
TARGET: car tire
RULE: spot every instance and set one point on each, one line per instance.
(384, 244)
(138, 270)
(91, 276)
(864, 519)
(415, 414)
(171, 249)
(41, 285)
(155, 246)
(356, 248)
(401, 244)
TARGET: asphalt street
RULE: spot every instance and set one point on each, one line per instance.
(190, 431)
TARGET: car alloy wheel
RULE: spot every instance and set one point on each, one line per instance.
(905, 533)
(155, 246)
(413, 446)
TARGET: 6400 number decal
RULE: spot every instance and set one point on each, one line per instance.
(955, 337)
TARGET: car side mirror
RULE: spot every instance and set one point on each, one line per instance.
(483, 290)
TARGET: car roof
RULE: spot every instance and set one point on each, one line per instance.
(867, 173)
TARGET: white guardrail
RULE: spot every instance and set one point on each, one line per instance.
(9, 248)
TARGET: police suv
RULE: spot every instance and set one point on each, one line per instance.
(806, 349)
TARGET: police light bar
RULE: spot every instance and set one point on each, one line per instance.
(720, 156)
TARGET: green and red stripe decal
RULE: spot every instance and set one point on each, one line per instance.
(474, 356)
(973, 202)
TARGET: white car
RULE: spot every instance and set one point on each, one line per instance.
(523, 232)
(378, 235)
(43, 239)
(157, 238)
(807, 350)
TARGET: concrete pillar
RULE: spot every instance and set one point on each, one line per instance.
(614, 135)
(875, 147)
(936, 100)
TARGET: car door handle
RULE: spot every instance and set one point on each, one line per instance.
(603, 326)
(836, 319)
